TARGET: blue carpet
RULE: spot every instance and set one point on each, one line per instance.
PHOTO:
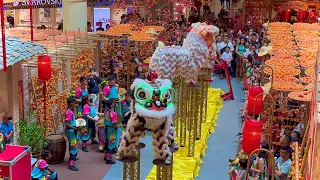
(221, 144)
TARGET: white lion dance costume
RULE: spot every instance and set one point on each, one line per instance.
(153, 110)
(172, 61)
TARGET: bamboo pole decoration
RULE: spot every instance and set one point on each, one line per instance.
(67, 37)
(304, 140)
(54, 42)
(305, 156)
(270, 120)
(297, 172)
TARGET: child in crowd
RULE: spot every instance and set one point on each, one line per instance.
(234, 163)
(227, 56)
(111, 126)
(7, 128)
(139, 73)
(72, 134)
(125, 107)
(249, 74)
(89, 114)
(241, 173)
(111, 90)
(81, 91)
(39, 172)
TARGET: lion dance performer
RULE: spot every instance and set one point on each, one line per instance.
(186, 60)
(152, 110)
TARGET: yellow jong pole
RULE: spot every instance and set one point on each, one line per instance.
(164, 172)
(183, 113)
(193, 111)
(177, 97)
(131, 165)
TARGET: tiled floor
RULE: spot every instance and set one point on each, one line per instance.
(91, 165)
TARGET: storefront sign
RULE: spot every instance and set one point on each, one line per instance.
(294, 5)
(38, 2)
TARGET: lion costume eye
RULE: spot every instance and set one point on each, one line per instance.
(142, 95)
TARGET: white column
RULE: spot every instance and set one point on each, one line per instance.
(74, 13)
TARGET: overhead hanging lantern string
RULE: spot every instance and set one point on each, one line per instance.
(4, 54)
(31, 23)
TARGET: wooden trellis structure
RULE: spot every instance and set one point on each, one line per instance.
(68, 64)
(123, 52)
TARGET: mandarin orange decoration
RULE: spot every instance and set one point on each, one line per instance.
(306, 80)
(290, 61)
(310, 87)
(282, 71)
(287, 86)
(300, 95)
(309, 72)
(286, 78)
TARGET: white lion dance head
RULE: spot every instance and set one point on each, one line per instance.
(153, 110)
(185, 61)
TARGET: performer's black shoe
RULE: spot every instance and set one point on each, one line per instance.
(94, 142)
(84, 149)
(110, 162)
(73, 168)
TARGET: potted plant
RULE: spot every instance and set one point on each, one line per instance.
(31, 134)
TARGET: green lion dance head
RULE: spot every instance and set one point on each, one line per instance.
(153, 100)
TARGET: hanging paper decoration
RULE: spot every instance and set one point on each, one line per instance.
(251, 138)
(44, 67)
(254, 103)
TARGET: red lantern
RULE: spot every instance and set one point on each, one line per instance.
(251, 138)
(44, 67)
(301, 16)
(254, 102)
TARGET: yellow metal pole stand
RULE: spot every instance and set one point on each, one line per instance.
(164, 172)
(177, 102)
(193, 116)
(183, 112)
(131, 165)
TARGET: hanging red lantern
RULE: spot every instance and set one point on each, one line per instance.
(255, 101)
(300, 16)
(44, 67)
(251, 138)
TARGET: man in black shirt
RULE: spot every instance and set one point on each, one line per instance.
(100, 28)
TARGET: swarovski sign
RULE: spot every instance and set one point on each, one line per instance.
(38, 2)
